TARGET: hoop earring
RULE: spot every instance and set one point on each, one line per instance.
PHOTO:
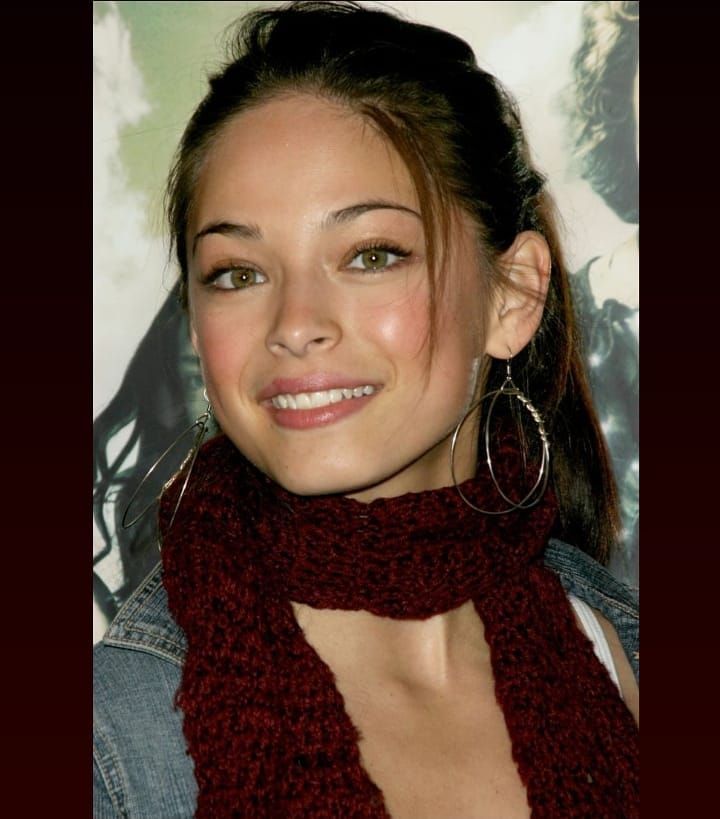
(509, 389)
(201, 423)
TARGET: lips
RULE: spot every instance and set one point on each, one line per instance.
(316, 382)
(316, 400)
(319, 398)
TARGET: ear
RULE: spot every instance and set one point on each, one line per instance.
(520, 300)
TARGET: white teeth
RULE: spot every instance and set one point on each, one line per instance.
(321, 398)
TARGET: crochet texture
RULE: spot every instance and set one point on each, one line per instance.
(264, 722)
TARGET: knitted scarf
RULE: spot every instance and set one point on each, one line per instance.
(265, 724)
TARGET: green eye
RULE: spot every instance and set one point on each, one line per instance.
(243, 278)
(372, 259)
(238, 278)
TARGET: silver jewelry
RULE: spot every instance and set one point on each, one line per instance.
(201, 423)
(509, 389)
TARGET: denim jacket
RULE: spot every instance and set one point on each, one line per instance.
(141, 767)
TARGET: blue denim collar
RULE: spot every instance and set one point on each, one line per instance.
(144, 622)
(578, 570)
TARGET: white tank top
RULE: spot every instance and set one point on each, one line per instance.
(591, 626)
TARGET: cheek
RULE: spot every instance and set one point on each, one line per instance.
(223, 349)
(458, 343)
(400, 326)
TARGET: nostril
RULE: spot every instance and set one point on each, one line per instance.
(300, 343)
(297, 332)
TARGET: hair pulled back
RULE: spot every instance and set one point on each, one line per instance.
(459, 133)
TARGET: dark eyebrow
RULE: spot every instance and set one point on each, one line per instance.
(353, 211)
(337, 217)
(228, 229)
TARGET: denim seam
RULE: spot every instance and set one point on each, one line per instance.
(145, 590)
(579, 581)
(154, 636)
(613, 601)
(174, 658)
(560, 552)
(122, 630)
(115, 784)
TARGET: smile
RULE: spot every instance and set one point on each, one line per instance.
(320, 398)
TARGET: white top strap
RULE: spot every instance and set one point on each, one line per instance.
(593, 629)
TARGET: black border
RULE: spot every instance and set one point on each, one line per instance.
(45, 331)
(680, 554)
(45, 298)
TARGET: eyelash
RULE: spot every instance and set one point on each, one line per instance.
(384, 247)
(212, 277)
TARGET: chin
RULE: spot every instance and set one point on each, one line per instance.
(335, 482)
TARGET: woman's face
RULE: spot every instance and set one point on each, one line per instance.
(309, 306)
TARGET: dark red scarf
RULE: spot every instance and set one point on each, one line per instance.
(265, 724)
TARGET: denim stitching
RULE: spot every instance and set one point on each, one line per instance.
(126, 633)
(115, 784)
(157, 651)
(154, 638)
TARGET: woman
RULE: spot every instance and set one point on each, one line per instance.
(358, 617)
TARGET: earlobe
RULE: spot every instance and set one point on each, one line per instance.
(520, 299)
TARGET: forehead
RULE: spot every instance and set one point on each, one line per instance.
(299, 153)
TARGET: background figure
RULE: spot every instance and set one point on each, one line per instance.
(603, 115)
(159, 397)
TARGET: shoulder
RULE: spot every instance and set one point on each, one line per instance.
(625, 674)
(593, 583)
(137, 731)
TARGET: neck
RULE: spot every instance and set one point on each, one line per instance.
(431, 655)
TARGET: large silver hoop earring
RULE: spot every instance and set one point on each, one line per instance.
(201, 424)
(509, 389)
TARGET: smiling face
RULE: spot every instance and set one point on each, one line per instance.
(309, 305)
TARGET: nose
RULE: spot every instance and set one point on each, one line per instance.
(304, 322)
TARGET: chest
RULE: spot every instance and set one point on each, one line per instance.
(437, 755)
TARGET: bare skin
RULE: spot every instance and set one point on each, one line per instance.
(421, 694)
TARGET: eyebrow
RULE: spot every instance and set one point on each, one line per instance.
(227, 229)
(337, 217)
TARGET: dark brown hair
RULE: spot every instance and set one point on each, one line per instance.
(459, 133)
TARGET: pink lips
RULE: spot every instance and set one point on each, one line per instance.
(318, 416)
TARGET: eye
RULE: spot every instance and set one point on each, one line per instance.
(376, 258)
(236, 278)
